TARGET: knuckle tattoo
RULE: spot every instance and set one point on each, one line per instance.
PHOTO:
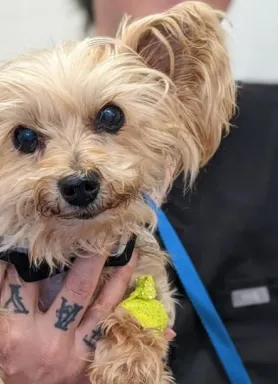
(91, 339)
(15, 302)
(66, 314)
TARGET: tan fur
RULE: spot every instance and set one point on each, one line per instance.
(170, 73)
(138, 361)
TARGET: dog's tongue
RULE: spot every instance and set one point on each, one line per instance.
(49, 290)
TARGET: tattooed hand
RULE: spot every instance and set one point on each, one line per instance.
(52, 347)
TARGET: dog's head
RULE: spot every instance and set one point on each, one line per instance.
(88, 128)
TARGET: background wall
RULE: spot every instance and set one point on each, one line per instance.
(254, 40)
(37, 23)
(41, 23)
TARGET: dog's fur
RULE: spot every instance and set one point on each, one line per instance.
(170, 73)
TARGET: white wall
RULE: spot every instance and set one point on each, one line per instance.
(37, 24)
(254, 41)
(42, 23)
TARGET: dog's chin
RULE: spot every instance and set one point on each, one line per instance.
(86, 216)
(83, 215)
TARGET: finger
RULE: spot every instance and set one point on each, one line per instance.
(3, 268)
(71, 303)
(18, 296)
(170, 334)
(113, 292)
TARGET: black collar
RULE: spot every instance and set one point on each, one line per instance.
(30, 273)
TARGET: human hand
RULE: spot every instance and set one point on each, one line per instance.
(52, 347)
(38, 347)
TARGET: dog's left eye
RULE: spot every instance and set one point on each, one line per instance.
(25, 139)
(110, 119)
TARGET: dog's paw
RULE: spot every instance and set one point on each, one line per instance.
(129, 354)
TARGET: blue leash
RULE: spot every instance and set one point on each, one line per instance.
(199, 297)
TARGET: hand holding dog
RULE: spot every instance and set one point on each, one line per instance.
(53, 347)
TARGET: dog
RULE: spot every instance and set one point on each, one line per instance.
(87, 131)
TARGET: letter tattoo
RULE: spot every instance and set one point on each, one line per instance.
(16, 301)
(92, 339)
(66, 314)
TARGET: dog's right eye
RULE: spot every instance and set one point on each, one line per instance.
(25, 139)
(110, 119)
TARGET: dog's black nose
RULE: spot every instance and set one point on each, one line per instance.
(80, 190)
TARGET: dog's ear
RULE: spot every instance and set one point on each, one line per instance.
(187, 43)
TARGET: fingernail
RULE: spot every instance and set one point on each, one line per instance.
(170, 334)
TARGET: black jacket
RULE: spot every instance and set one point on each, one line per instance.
(229, 226)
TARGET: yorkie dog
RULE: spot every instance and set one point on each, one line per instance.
(90, 128)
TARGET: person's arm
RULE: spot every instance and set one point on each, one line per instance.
(108, 14)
